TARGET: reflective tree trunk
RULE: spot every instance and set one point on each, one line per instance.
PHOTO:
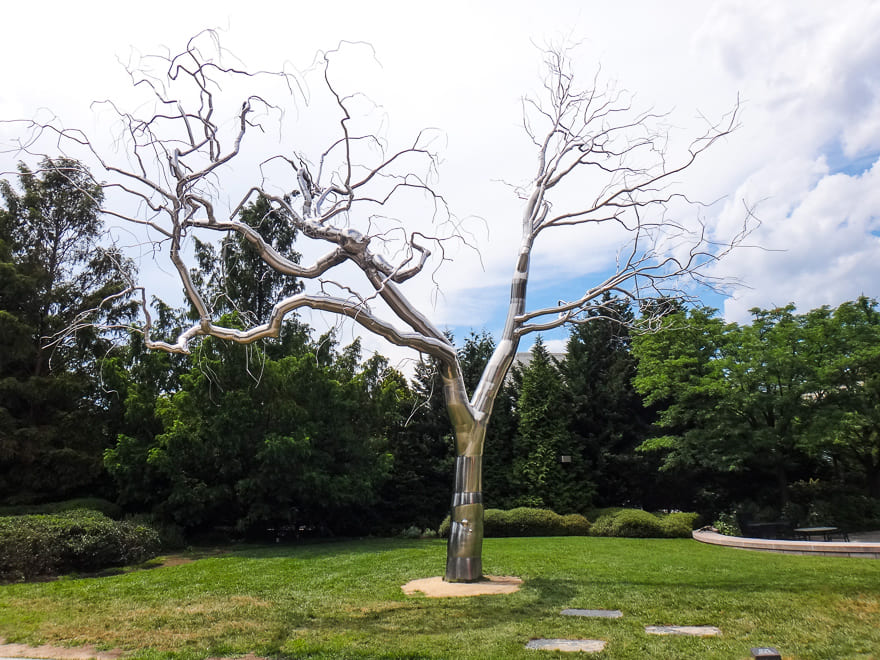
(464, 552)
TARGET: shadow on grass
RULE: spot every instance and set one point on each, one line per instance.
(552, 592)
(327, 547)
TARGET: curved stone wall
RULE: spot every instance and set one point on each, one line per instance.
(826, 548)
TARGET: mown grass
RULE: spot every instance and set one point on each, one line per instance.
(343, 600)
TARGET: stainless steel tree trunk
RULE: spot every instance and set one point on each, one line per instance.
(464, 552)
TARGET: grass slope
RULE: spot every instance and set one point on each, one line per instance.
(343, 600)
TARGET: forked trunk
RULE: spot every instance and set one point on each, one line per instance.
(464, 551)
(469, 419)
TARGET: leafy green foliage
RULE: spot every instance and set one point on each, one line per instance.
(526, 521)
(735, 398)
(79, 540)
(728, 524)
(752, 411)
(846, 396)
(299, 445)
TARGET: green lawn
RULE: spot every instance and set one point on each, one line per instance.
(343, 600)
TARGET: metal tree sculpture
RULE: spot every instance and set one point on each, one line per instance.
(598, 162)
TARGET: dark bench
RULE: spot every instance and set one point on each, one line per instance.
(779, 529)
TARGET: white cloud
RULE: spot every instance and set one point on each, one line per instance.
(806, 72)
(828, 242)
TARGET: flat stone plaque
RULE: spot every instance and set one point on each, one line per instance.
(692, 631)
(596, 614)
(588, 645)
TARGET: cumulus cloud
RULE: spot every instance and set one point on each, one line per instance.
(804, 158)
(811, 128)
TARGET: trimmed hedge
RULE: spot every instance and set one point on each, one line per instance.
(636, 523)
(44, 545)
(108, 508)
(526, 521)
(679, 525)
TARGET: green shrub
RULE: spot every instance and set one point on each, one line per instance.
(108, 508)
(411, 532)
(678, 525)
(494, 523)
(595, 514)
(526, 521)
(44, 545)
(727, 524)
(632, 523)
(575, 525)
(636, 523)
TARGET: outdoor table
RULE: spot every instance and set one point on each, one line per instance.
(808, 532)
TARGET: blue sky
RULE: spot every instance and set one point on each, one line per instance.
(805, 157)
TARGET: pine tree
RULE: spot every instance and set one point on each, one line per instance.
(608, 419)
(53, 413)
(543, 450)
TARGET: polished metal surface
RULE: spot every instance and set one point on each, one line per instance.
(464, 569)
(468, 481)
(463, 557)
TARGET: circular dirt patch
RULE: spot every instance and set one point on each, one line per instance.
(435, 587)
(57, 652)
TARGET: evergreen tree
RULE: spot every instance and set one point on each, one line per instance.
(543, 449)
(608, 419)
(237, 281)
(53, 413)
(423, 445)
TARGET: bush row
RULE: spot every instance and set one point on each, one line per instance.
(108, 508)
(635, 523)
(44, 545)
(525, 521)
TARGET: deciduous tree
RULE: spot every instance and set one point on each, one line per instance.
(598, 163)
(735, 400)
(846, 393)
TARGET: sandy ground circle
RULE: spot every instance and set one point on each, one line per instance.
(57, 652)
(435, 587)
